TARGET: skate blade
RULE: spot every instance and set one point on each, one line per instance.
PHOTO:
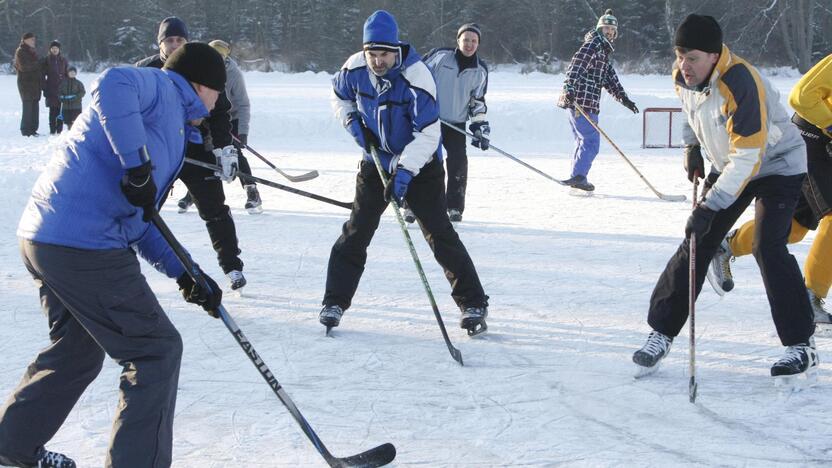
(642, 371)
(581, 193)
(797, 382)
(477, 329)
(181, 210)
(328, 333)
(254, 211)
(714, 283)
(823, 330)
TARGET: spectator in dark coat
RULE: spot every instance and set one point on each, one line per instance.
(29, 76)
(55, 68)
(70, 92)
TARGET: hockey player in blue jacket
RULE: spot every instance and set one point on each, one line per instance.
(81, 230)
(386, 97)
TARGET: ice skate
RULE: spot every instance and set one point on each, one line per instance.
(649, 357)
(330, 317)
(237, 281)
(473, 320)
(253, 203)
(719, 274)
(455, 215)
(409, 217)
(46, 459)
(185, 202)
(798, 367)
(823, 319)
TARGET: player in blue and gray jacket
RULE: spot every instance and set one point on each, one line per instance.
(386, 98)
(81, 230)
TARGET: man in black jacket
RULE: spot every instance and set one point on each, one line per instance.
(204, 186)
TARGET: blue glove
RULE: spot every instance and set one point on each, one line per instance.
(397, 185)
(363, 135)
(481, 130)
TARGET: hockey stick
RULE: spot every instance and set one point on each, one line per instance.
(378, 456)
(662, 196)
(455, 353)
(692, 385)
(298, 178)
(269, 183)
(515, 159)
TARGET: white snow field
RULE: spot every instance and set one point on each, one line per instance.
(569, 279)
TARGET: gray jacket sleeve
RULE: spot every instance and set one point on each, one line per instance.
(237, 94)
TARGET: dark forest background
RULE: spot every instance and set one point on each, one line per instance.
(318, 35)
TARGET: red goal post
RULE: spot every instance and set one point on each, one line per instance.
(662, 127)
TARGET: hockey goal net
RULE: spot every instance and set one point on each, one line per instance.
(662, 127)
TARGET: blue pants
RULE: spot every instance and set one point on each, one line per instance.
(587, 142)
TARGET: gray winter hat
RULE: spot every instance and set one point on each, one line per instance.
(473, 27)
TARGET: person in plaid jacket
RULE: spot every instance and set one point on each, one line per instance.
(589, 71)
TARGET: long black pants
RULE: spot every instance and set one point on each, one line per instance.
(209, 198)
(30, 117)
(70, 115)
(96, 302)
(776, 199)
(55, 124)
(244, 166)
(426, 197)
(457, 160)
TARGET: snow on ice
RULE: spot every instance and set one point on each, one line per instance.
(569, 280)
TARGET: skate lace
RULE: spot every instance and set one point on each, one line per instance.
(57, 460)
(656, 344)
(794, 354)
(333, 311)
(235, 275)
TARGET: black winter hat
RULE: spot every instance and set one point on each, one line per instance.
(200, 63)
(171, 26)
(473, 27)
(700, 32)
(55, 43)
(27, 36)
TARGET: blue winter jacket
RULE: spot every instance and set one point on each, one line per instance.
(399, 108)
(77, 201)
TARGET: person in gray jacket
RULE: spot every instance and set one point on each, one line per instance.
(461, 82)
(235, 88)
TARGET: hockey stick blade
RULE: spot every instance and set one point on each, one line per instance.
(298, 178)
(378, 456)
(672, 198)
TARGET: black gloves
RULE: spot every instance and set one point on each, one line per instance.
(140, 190)
(481, 131)
(694, 163)
(709, 182)
(626, 102)
(699, 221)
(196, 294)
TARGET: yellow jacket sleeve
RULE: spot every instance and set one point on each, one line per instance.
(811, 97)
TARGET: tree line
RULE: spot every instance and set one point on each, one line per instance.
(318, 35)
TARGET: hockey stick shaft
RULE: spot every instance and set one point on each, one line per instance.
(248, 348)
(455, 353)
(609, 140)
(298, 178)
(269, 183)
(498, 150)
(692, 385)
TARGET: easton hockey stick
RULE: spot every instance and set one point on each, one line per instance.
(269, 183)
(378, 456)
(513, 158)
(298, 178)
(665, 197)
(455, 353)
(692, 385)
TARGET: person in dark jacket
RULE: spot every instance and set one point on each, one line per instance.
(589, 72)
(29, 78)
(70, 92)
(80, 234)
(55, 68)
(203, 185)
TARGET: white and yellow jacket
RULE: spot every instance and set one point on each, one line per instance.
(811, 97)
(741, 126)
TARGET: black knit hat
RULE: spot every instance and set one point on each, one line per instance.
(55, 43)
(27, 35)
(473, 27)
(699, 32)
(171, 26)
(200, 63)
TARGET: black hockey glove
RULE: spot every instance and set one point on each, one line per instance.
(694, 163)
(699, 221)
(140, 190)
(243, 140)
(709, 182)
(481, 131)
(626, 102)
(196, 294)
